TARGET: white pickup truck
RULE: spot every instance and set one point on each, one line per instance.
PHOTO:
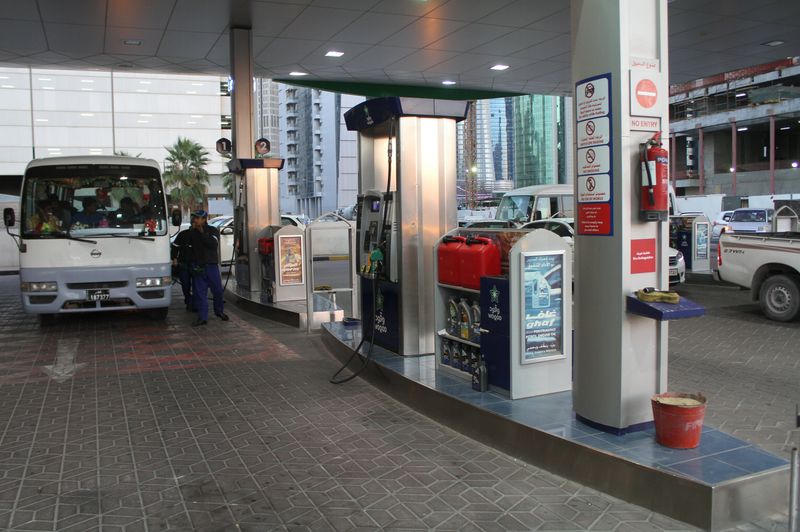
(769, 265)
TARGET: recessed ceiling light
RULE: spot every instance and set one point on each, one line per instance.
(197, 84)
(448, 82)
(499, 67)
(741, 94)
(334, 53)
(145, 82)
(87, 81)
(40, 79)
(785, 128)
(191, 92)
(298, 73)
(141, 90)
(146, 115)
(143, 121)
(53, 149)
(7, 86)
(87, 89)
(42, 120)
(196, 116)
(191, 123)
(132, 42)
(87, 114)
(772, 43)
(49, 88)
(6, 77)
(741, 129)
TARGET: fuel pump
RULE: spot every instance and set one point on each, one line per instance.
(377, 235)
(654, 190)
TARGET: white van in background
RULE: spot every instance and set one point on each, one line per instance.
(537, 202)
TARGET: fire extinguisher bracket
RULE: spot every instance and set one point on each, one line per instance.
(654, 189)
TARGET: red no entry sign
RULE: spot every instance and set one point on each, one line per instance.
(646, 93)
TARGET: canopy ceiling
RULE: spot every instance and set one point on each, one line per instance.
(391, 42)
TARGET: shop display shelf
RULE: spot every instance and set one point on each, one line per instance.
(444, 334)
(460, 288)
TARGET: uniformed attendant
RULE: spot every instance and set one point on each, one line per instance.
(181, 253)
(205, 268)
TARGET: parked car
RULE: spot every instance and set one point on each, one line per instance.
(720, 223)
(565, 228)
(750, 221)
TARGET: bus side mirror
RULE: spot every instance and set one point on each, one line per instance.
(226, 231)
(177, 217)
(8, 217)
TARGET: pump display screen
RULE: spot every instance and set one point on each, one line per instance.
(375, 206)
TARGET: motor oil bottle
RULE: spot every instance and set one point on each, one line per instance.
(476, 322)
(452, 317)
(446, 352)
(464, 319)
(480, 377)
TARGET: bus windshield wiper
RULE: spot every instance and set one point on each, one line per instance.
(70, 237)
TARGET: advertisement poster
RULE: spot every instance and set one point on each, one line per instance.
(290, 253)
(701, 240)
(542, 306)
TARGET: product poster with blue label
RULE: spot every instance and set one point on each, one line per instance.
(542, 305)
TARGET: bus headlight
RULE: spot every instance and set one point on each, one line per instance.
(39, 286)
(153, 282)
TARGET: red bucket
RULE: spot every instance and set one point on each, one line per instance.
(679, 419)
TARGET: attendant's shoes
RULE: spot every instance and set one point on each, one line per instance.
(223, 316)
(198, 322)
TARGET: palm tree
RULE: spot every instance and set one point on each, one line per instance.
(185, 174)
(229, 180)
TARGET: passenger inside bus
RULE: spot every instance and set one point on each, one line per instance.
(127, 214)
(89, 216)
(44, 220)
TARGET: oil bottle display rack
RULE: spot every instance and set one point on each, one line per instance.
(500, 310)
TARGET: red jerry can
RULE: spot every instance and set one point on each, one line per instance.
(265, 245)
(448, 259)
(480, 257)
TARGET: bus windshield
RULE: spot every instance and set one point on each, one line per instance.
(92, 200)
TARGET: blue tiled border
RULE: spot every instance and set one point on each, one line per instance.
(719, 457)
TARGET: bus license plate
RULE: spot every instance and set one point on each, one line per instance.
(673, 272)
(97, 295)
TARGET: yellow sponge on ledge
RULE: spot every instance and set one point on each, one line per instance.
(658, 296)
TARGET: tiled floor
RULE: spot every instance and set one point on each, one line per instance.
(234, 426)
(718, 458)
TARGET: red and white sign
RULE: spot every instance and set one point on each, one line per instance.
(591, 99)
(596, 160)
(646, 93)
(594, 219)
(594, 132)
(641, 123)
(594, 188)
(643, 255)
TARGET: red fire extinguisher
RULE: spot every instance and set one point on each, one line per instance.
(654, 192)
